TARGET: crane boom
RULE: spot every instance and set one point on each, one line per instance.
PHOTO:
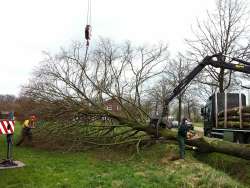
(215, 61)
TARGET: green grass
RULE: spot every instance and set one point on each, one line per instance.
(108, 168)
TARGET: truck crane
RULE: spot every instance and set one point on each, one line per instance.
(217, 61)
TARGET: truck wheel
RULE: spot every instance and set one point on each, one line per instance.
(209, 134)
(248, 139)
(238, 138)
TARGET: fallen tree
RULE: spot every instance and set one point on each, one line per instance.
(129, 132)
(207, 145)
(202, 144)
(72, 91)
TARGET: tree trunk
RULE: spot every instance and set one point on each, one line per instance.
(156, 108)
(215, 145)
(188, 110)
(203, 144)
(221, 81)
(207, 145)
(179, 109)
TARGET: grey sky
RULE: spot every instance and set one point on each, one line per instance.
(30, 26)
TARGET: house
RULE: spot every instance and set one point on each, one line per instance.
(112, 105)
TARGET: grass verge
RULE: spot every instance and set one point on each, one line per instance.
(152, 167)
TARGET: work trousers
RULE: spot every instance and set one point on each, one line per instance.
(26, 133)
(181, 141)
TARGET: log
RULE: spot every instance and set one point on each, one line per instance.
(221, 146)
(235, 111)
(234, 124)
(203, 144)
(230, 112)
(236, 118)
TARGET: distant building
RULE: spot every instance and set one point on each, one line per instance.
(112, 105)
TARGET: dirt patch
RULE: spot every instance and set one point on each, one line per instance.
(169, 156)
(117, 183)
(142, 174)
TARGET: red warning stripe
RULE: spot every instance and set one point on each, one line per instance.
(11, 127)
(7, 127)
(4, 127)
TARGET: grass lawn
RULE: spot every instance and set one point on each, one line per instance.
(104, 168)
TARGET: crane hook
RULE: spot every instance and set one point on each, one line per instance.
(87, 33)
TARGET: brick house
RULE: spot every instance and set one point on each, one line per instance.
(112, 105)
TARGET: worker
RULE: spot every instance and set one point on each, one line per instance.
(87, 33)
(28, 124)
(182, 135)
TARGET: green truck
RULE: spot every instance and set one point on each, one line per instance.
(226, 116)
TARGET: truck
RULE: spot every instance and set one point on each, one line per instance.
(210, 119)
(220, 124)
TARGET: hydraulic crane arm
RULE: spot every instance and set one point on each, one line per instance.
(177, 90)
(215, 61)
(240, 67)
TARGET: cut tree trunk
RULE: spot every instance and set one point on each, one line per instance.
(204, 144)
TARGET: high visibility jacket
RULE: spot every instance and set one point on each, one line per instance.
(26, 124)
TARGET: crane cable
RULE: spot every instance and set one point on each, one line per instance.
(87, 30)
(89, 12)
(88, 24)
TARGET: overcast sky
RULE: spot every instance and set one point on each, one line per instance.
(29, 27)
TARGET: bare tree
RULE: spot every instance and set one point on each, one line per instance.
(180, 67)
(157, 95)
(225, 31)
(7, 103)
(71, 85)
(192, 104)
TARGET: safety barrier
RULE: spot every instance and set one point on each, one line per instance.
(7, 126)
